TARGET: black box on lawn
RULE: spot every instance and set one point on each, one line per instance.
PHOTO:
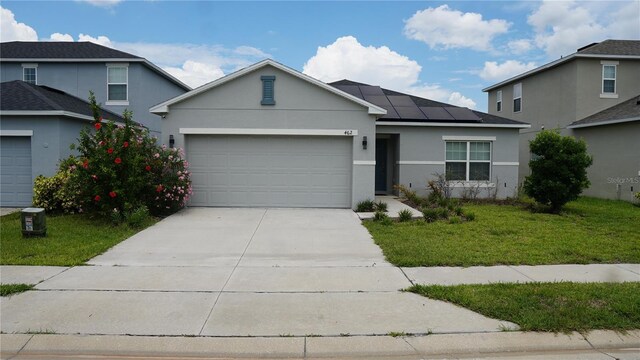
(34, 222)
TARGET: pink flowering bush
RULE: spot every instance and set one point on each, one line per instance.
(120, 169)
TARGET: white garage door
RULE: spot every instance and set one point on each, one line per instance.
(15, 171)
(270, 171)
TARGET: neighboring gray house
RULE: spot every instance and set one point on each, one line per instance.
(570, 94)
(613, 137)
(38, 124)
(268, 135)
(118, 79)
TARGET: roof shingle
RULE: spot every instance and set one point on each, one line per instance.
(613, 47)
(59, 50)
(21, 96)
(629, 109)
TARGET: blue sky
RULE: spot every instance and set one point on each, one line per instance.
(446, 51)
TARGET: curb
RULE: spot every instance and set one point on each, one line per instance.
(470, 344)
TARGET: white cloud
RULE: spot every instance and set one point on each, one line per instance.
(520, 46)
(12, 30)
(61, 37)
(102, 3)
(562, 27)
(493, 71)
(194, 73)
(346, 58)
(458, 99)
(100, 40)
(448, 29)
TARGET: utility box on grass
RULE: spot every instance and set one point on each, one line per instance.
(34, 222)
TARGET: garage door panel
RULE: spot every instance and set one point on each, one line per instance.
(15, 169)
(270, 171)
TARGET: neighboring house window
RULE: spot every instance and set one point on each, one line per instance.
(468, 160)
(117, 83)
(609, 79)
(499, 100)
(268, 90)
(30, 74)
(517, 97)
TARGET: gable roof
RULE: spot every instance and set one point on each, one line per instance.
(20, 98)
(402, 108)
(67, 51)
(163, 108)
(623, 112)
(608, 49)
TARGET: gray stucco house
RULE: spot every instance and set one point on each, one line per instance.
(119, 80)
(268, 135)
(38, 123)
(590, 94)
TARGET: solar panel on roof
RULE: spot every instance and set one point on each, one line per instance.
(400, 100)
(371, 90)
(351, 89)
(410, 112)
(379, 100)
(391, 112)
(462, 114)
(436, 113)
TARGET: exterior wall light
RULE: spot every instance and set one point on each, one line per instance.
(172, 141)
(364, 142)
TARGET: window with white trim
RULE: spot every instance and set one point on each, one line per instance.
(517, 97)
(609, 79)
(468, 160)
(30, 74)
(499, 100)
(117, 83)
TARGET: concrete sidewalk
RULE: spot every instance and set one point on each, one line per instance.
(523, 274)
(505, 345)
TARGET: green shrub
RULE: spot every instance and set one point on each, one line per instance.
(637, 196)
(469, 216)
(379, 216)
(411, 196)
(443, 213)
(380, 206)
(558, 169)
(458, 211)
(56, 193)
(137, 217)
(365, 206)
(430, 215)
(405, 215)
(455, 220)
(120, 168)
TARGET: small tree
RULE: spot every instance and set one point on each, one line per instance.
(558, 169)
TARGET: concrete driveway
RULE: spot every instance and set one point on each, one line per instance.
(239, 272)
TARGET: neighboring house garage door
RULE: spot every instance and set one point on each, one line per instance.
(270, 171)
(15, 171)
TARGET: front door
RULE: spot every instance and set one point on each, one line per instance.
(381, 165)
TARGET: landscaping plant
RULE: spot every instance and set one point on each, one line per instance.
(121, 172)
(558, 169)
(365, 206)
(405, 215)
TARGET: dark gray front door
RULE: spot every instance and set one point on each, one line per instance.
(381, 165)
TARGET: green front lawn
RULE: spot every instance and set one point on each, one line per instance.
(557, 307)
(71, 240)
(10, 289)
(588, 231)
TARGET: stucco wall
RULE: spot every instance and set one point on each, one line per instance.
(559, 96)
(146, 88)
(50, 141)
(615, 173)
(299, 105)
(426, 144)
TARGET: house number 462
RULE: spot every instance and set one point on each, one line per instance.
(348, 132)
